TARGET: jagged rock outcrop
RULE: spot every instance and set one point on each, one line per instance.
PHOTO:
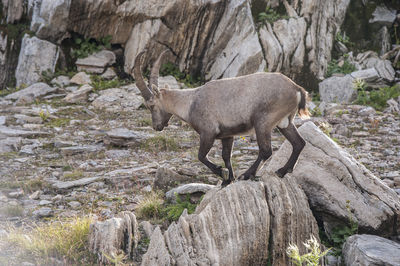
(271, 214)
(108, 238)
(36, 56)
(330, 177)
(292, 46)
(370, 250)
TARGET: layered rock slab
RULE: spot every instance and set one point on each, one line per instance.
(332, 178)
(246, 223)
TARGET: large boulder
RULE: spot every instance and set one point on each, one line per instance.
(370, 250)
(331, 178)
(35, 57)
(50, 19)
(246, 223)
(34, 91)
(338, 89)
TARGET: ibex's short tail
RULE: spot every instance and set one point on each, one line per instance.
(303, 110)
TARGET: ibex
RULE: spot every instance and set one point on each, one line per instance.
(221, 109)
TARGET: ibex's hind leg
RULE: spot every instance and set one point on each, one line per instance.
(206, 143)
(227, 144)
(298, 143)
(265, 151)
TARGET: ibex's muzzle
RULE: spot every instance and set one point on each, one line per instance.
(158, 127)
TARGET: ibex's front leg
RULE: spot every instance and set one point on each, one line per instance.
(298, 143)
(264, 144)
(227, 144)
(206, 143)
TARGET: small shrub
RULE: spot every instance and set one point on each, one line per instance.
(174, 211)
(173, 70)
(333, 67)
(376, 98)
(343, 38)
(44, 115)
(150, 206)
(270, 15)
(66, 239)
(87, 46)
(312, 258)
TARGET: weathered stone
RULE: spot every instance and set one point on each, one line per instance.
(170, 82)
(198, 189)
(10, 144)
(148, 228)
(35, 90)
(96, 62)
(3, 120)
(50, 19)
(125, 137)
(166, 178)
(108, 238)
(367, 75)
(267, 214)
(370, 250)
(109, 74)
(331, 179)
(116, 100)
(80, 95)
(384, 68)
(43, 212)
(383, 15)
(80, 149)
(75, 183)
(338, 89)
(13, 10)
(81, 78)
(35, 57)
(61, 81)
(11, 132)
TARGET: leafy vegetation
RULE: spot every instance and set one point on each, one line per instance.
(334, 67)
(312, 258)
(343, 38)
(87, 46)
(62, 239)
(174, 211)
(270, 15)
(173, 70)
(99, 83)
(375, 98)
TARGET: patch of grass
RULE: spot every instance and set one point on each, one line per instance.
(270, 15)
(312, 258)
(343, 38)
(12, 210)
(98, 83)
(144, 121)
(74, 175)
(58, 122)
(174, 211)
(376, 98)
(333, 67)
(160, 143)
(150, 207)
(62, 239)
(44, 115)
(173, 70)
(8, 155)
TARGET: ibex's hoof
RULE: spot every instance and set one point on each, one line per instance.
(246, 177)
(281, 173)
(224, 173)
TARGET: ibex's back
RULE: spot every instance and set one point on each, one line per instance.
(233, 106)
(227, 107)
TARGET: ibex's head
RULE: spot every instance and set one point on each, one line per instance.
(151, 93)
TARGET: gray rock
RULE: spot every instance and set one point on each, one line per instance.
(187, 189)
(96, 62)
(35, 57)
(166, 178)
(383, 15)
(80, 95)
(35, 90)
(331, 178)
(148, 228)
(50, 18)
(370, 250)
(45, 202)
(367, 111)
(125, 137)
(109, 74)
(11, 132)
(76, 183)
(74, 204)
(170, 82)
(10, 144)
(61, 81)
(81, 78)
(3, 120)
(338, 89)
(118, 154)
(43, 212)
(262, 212)
(384, 68)
(114, 235)
(368, 75)
(68, 151)
(116, 100)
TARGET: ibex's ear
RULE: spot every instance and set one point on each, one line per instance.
(155, 90)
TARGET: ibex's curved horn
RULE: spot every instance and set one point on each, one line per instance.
(155, 70)
(137, 72)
